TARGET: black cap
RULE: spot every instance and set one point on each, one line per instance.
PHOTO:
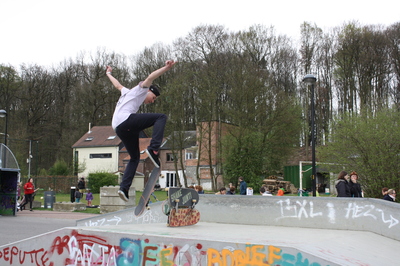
(155, 89)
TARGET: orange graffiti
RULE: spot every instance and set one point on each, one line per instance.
(213, 257)
(273, 254)
(164, 261)
(226, 253)
(253, 255)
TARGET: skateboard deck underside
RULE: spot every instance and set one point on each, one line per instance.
(148, 189)
(183, 217)
(183, 197)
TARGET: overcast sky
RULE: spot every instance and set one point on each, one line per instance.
(46, 32)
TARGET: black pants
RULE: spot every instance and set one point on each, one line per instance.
(129, 130)
(28, 198)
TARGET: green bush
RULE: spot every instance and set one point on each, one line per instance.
(101, 179)
(60, 167)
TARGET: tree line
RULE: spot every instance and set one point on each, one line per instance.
(251, 79)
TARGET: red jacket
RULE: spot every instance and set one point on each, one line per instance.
(29, 188)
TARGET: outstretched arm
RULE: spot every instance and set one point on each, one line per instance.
(155, 74)
(113, 80)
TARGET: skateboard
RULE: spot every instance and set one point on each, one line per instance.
(148, 190)
(180, 207)
(149, 187)
(182, 197)
(183, 217)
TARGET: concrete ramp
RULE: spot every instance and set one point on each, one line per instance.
(233, 230)
(127, 216)
(361, 214)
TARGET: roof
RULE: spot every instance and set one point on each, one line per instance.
(189, 139)
(98, 136)
(105, 136)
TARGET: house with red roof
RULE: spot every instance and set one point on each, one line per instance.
(101, 150)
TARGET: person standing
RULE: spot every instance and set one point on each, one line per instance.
(78, 196)
(82, 185)
(128, 124)
(391, 195)
(89, 198)
(355, 187)
(19, 198)
(342, 185)
(29, 190)
(242, 186)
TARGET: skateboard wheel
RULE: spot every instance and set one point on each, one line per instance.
(148, 208)
(194, 200)
(177, 200)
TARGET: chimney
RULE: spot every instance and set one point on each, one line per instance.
(90, 128)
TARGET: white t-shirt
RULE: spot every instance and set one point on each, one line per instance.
(128, 103)
(266, 194)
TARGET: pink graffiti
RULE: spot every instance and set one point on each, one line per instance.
(80, 249)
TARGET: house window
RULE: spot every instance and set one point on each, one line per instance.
(111, 137)
(171, 180)
(189, 156)
(89, 139)
(170, 157)
(100, 156)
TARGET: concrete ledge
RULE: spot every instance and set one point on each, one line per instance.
(35, 204)
(361, 214)
(111, 202)
(68, 206)
(127, 216)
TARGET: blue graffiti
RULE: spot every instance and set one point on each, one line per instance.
(131, 252)
(292, 260)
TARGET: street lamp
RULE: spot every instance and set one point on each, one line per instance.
(3, 113)
(310, 79)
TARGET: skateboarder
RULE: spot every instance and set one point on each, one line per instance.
(127, 123)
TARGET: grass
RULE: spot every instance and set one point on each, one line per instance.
(67, 198)
(160, 195)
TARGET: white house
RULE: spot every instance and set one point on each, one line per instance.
(101, 150)
(97, 151)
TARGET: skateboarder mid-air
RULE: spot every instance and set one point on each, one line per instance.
(127, 123)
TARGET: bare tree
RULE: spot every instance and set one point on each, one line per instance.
(393, 37)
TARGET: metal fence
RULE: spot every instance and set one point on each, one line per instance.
(59, 184)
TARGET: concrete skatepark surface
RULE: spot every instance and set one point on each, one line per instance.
(222, 237)
(29, 224)
(338, 247)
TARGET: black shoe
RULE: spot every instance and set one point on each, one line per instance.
(31, 210)
(123, 194)
(154, 157)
